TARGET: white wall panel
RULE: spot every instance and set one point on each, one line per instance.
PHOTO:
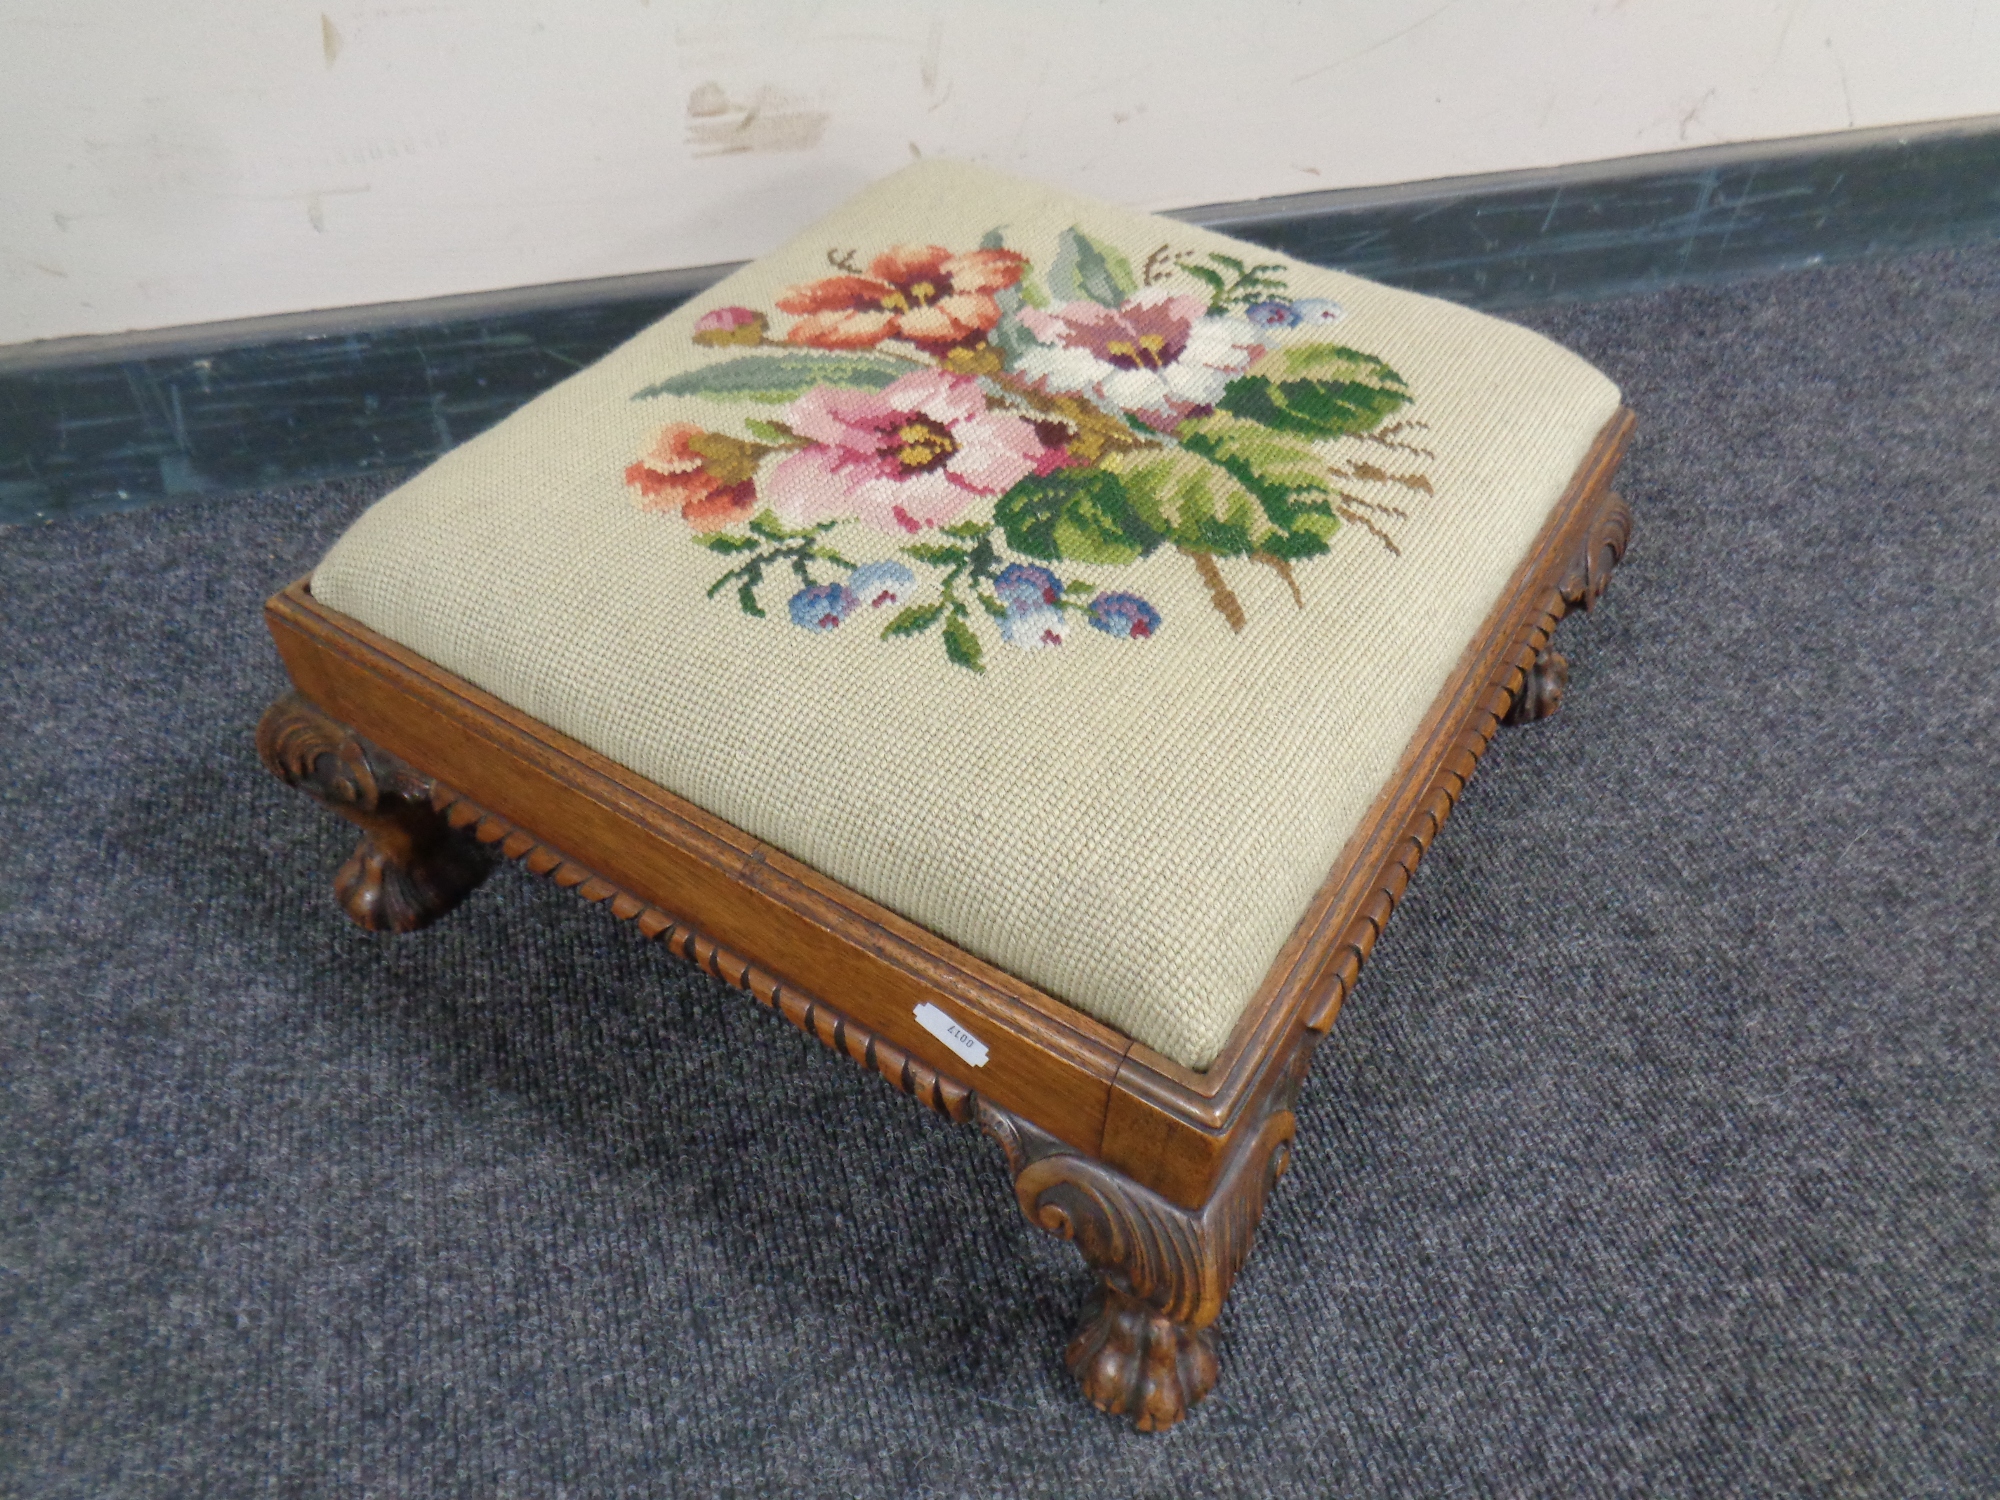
(170, 164)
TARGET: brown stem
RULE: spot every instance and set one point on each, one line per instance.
(1390, 437)
(1359, 469)
(1219, 592)
(1380, 507)
(1283, 569)
(1348, 513)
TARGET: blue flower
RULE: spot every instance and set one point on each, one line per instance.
(1272, 314)
(1024, 586)
(1126, 616)
(1036, 626)
(877, 584)
(1317, 310)
(822, 606)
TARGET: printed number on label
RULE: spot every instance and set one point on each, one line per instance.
(953, 1035)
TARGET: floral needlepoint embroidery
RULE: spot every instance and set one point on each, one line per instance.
(1280, 314)
(731, 325)
(1157, 357)
(882, 583)
(1033, 628)
(1002, 422)
(704, 475)
(1124, 615)
(922, 293)
(911, 455)
(822, 606)
(1025, 586)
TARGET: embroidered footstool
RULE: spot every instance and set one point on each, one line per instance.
(1026, 644)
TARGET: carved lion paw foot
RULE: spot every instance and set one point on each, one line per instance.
(1541, 690)
(1133, 1360)
(384, 894)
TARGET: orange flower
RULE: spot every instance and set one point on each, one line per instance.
(922, 293)
(707, 476)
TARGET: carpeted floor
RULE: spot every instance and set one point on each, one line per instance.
(1656, 1154)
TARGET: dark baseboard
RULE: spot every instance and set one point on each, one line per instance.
(95, 425)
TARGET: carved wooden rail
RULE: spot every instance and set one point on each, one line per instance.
(1143, 1347)
(1165, 1269)
(1533, 692)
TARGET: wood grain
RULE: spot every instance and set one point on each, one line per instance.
(833, 1029)
(1044, 1059)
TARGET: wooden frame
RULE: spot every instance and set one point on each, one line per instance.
(1157, 1173)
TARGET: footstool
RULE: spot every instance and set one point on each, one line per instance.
(1026, 644)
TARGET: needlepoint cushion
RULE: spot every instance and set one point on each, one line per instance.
(1064, 579)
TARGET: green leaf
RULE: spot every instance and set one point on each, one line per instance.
(937, 557)
(1327, 362)
(1212, 279)
(1074, 515)
(1316, 520)
(1087, 268)
(1236, 284)
(967, 531)
(779, 377)
(1303, 542)
(992, 606)
(914, 620)
(1317, 391)
(725, 542)
(772, 529)
(772, 432)
(1199, 504)
(1078, 587)
(1278, 469)
(1258, 456)
(961, 645)
(747, 598)
(1010, 335)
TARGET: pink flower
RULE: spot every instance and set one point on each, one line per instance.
(1158, 356)
(911, 455)
(730, 325)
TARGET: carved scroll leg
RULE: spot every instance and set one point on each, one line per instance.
(1544, 679)
(1590, 572)
(1143, 1349)
(410, 867)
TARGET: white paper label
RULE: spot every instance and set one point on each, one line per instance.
(953, 1035)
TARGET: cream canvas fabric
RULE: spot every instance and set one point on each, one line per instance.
(1118, 771)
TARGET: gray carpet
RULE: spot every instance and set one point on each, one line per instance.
(1656, 1154)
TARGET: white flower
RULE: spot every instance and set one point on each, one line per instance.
(1158, 356)
(882, 584)
(1308, 311)
(1035, 627)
